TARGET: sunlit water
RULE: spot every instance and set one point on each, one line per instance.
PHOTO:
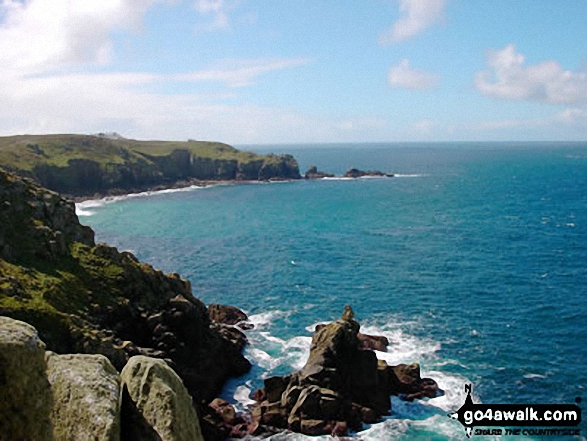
(472, 261)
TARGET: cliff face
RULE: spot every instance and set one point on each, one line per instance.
(90, 298)
(83, 165)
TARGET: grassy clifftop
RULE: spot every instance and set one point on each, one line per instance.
(87, 164)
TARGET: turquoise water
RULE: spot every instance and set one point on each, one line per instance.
(473, 261)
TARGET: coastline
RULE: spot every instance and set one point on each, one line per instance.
(158, 189)
(186, 185)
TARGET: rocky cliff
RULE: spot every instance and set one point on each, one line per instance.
(90, 298)
(82, 165)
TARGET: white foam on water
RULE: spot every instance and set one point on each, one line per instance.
(81, 212)
(403, 347)
(242, 394)
(264, 319)
(530, 376)
(409, 175)
(81, 207)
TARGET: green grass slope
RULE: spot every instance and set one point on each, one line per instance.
(87, 164)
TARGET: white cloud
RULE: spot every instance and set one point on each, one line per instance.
(424, 126)
(568, 118)
(37, 35)
(239, 73)
(403, 76)
(509, 78)
(41, 40)
(416, 17)
(361, 123)
(218, 11)
(572, 116)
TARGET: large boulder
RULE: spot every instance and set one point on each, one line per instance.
(155, 403)
(86, 393)
(25, 403)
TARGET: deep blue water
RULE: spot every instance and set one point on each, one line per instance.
(473, 261)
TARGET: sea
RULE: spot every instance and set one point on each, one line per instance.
(471, 260)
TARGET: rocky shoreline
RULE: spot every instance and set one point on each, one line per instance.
(83, 310)
(311, 173)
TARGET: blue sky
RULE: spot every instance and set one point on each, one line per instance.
(267, 71)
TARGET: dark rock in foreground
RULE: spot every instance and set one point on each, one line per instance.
(341, 386)
(356, 173)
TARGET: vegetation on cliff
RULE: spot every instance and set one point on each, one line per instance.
(82, 165)
(88, 298)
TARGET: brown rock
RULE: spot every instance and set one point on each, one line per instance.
(225, 410)
(373, 342)
(315, 427)
(227, 315)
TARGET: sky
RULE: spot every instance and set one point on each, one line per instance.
(296, 71)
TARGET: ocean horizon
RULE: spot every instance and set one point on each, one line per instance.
(471, 261)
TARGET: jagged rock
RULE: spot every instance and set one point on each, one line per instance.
(373, 342)
(86, 394)
(341, 386)
(155, 403)
(366, 341)
(229, 315)
(314, 173)
(406, 381)
(25, 403)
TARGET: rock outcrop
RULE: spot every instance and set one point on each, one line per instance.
(314, 173)
(25, 395)
(340, 387)
(156, 405)
(88, 298)
(86, 397)
(356, 173)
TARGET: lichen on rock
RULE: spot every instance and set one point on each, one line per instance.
(156, 405)
(86, 395)
(25, 397)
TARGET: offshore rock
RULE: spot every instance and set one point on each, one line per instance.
(86, 394)
(314, 173)
(357, 173)
(155, 403)
(341, 386)
(25, 403)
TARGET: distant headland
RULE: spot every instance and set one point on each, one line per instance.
(106, 164)
(100, 165)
